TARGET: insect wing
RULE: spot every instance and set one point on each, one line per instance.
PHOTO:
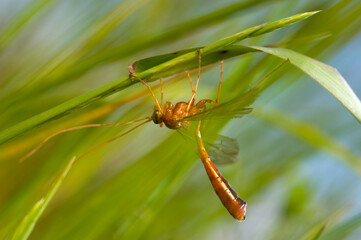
(221, 149)
(235, 108)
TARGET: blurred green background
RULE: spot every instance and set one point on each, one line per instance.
(299, 161)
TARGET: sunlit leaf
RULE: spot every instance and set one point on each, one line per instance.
(327, 76)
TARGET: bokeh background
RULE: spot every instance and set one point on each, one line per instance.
(299, 162)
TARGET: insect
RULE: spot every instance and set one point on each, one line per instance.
(180, 116)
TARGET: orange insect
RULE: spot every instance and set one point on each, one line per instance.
(180, 116)
(177, 116)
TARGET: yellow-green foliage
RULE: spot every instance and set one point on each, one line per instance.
(65, 63)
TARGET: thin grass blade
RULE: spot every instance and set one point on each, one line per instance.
(258, 30)
(315, 233)
(28, 223)
(343, 230)
(318, 230)
(312, 135)
(21, 20)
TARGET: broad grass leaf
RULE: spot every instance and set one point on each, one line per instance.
(327, 76)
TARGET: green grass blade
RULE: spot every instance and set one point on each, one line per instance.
(283, 23)
(258, 30)
(83, 100)
(27, 225)
(50, 74)
(110, 21)
(315, 233)
(176, 65)
(343, 230)
(188, 58)
(147, 63)
(141, 43)
(318, 230)
(145, 42)
(213, 57)
(327, 76)
(21, 21)
(251, 32)
(312, 135)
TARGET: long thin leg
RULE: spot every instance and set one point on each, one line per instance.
(195, 89)
(190, 80)
(220, 83)
(32, 152)
(150, 90)
(111, 140)
(161, 92)
(203, 102)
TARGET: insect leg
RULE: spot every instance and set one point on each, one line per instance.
(32, 152)
(195, 89)
(190, 81)
(111, 140)
(202, 102)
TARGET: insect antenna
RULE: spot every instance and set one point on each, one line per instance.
(150, 90)
(32, 152)
(190, 80)
(112, 140)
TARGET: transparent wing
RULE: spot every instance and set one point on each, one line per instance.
(235, 108)
(221, 149)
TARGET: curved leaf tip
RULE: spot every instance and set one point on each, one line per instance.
(327, 76)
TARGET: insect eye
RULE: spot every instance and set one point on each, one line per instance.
(155, 117)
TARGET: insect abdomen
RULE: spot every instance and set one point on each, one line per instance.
(230, 199)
